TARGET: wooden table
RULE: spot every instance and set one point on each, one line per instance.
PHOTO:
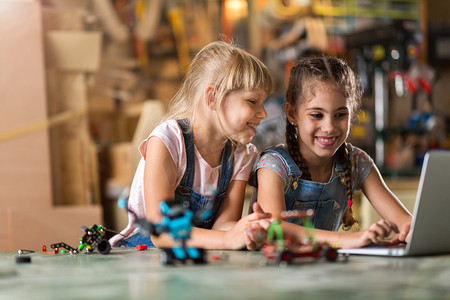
(131, 274)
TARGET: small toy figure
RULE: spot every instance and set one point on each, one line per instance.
(177, 222)
(94, 238)
(279, 248)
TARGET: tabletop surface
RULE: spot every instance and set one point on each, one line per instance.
(130, 274)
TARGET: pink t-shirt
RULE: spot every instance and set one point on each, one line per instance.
(205, 176)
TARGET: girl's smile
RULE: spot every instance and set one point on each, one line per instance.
(253, 126)
(326, 141)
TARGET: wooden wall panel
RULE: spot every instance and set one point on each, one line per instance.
(25, 179)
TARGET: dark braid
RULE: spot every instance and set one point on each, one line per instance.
(293, 91)
(294, 151)
(348, 219)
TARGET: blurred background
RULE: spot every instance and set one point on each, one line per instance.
(82, 82)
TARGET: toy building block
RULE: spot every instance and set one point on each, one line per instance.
(177, 221)
(94, 238)
(279, 247)
(58, 246)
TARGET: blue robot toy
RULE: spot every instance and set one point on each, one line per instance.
(177, 221)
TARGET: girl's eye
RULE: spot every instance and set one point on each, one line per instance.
(317, 116)
(252, 101)
(341, 114)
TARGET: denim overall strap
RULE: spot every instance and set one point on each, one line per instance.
(197, 201)
(339, 169)
(226, 169)
(189, 174)
(294, 172)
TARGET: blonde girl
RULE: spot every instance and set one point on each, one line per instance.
(317, 168)
(202, 152)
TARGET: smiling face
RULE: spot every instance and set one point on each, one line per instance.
(323, 121)
(241, 112)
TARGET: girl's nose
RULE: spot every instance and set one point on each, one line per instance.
(327, 125)
(262, 113)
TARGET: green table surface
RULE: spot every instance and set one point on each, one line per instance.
(131, 274)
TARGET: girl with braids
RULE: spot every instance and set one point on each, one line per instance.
(317, 168)
(201, 152)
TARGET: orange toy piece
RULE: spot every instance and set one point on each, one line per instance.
(44, 250)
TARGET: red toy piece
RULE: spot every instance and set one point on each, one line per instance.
(141, 247)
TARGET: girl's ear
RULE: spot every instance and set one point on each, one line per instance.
(290, 113)
(209, 97)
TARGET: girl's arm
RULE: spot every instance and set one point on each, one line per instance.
(271, 199)
(230, 210)
(271, 192)
(229, 219)
(386, 203)
(374, 234)
(160, 177)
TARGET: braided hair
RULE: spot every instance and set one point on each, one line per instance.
(306, 75)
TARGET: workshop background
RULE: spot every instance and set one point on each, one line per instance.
(82, 82)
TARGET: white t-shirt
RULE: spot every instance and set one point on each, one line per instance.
(205, 176)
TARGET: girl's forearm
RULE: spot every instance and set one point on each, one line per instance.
(224, 226)
(200, 238)
(299, 233)
(338, 239)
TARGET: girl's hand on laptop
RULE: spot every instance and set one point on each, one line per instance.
(378, 232)
(404, 235)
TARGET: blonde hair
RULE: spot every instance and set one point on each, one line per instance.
(224, 66)
(308, 74)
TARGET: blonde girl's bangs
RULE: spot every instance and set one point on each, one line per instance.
(247, 72)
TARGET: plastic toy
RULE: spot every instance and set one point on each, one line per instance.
(177, 221)
(280, 249)
(58, 246)
(92, 239)
(44, 250)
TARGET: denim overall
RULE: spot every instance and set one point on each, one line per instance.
(328, 200)
(184, 190)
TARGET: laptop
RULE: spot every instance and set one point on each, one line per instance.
(430, 227)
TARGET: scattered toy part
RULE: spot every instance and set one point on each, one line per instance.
(44, 250)
(23, 251)
(141, 247)
(64, 246)
(23, 259)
